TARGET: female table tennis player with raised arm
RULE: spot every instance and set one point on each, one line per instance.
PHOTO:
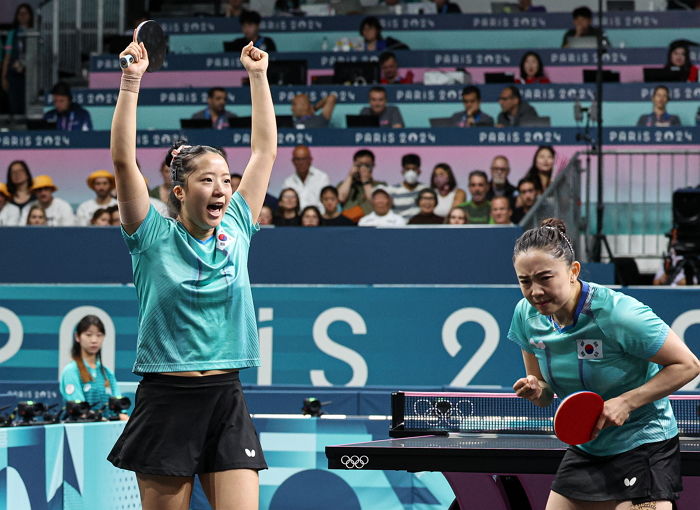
(633, 360)
(196, 317)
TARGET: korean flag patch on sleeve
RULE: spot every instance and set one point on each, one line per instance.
(589, 349)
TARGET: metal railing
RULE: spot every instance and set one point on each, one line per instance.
(637, 190)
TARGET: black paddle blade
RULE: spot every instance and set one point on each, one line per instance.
(153, 38)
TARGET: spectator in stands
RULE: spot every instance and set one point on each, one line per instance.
(389, 116)
(303, 112)
(250, 26)
(501, 211)
(67, 115)
(472, 114)
(114, 219)
(102, 183)
(405, 194)
(457, 216)
(659, 116)
(443, 181)
(234, 9)
(307, 180)
(381, 215)
(331, 216)
(287, 213)
(542, 167)
(389, 69)
(266, 216)
(162, 191)
(527, 196)
(500, 186)
(36, 216)
(478, 208)
(583, 27)
(235, 181)
(13, 63)
(526, 6)
(532, 69)
(19, 184)
(678, 59)
(426, 201)
(371, 32)
(58, 212)
(102, 217)
(311, 216)
(445, 7)
(9, 212)
(356, 189)
(85, 377)
(216, 109)
(514, 111)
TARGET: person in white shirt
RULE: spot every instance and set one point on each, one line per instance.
(307, 180)
(9, 213)
(59, 213)
(381, 215)
(102, 183)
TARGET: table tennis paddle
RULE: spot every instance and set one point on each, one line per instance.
(153, 38)
(576, 417)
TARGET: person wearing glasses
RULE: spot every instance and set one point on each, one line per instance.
(472, 114)
(500, 186)
(514, 111)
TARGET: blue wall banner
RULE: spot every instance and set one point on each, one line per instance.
(324, 336)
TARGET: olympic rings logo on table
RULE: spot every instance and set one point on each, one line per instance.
(354, 461)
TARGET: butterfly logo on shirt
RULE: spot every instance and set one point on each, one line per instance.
(537, 344)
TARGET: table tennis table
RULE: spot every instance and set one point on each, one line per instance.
(493, 467)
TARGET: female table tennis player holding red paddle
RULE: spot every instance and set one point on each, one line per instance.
(196, 316)
(579, 336)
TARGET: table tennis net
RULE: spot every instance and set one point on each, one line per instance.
(503, 413)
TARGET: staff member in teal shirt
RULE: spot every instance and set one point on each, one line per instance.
(197, 324)
(86, 378)
(576, 336)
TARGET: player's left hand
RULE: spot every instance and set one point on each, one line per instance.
(615, 413)
(253, 59)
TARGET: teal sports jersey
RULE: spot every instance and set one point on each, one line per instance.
(195, 304)
(605, 350)
(93, 392)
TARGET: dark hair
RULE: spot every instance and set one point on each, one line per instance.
(332, 189)
(533, 172)
(249, 17)
(471, 89)
(279, 200)
(452, 182)
(477, 173)
(582, 12)
(362, 153)
(99, 212)
(314, 209)
(410, 159)
(15, 20)
(550, 237)
(112, 209)
(182, 165)
(75, 351)
(515, 91)
(685, 68)
(371, 21)
(236, 176)
(540, 66)
(661, 87)
(211, 91)
(525, 180)
(11, 188)
(62, 89)
(428, 191)
(377, 89)
(387, 55)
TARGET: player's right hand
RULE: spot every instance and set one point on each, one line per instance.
(138, 51)
(528, 388)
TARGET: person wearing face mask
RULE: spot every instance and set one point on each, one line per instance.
(443, 181)
(405, 193)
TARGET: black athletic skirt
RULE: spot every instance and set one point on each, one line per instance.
(182, 426)
(650, 472)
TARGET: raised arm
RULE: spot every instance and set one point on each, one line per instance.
(132, 192)
(263, 140)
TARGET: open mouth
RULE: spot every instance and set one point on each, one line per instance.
(215, 208)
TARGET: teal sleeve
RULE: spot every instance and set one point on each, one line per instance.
(239, 211)
(638, 329)
(71, 385)
(151, 229)
(517, 332)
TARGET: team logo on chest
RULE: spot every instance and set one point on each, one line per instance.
(589, 349)
(223, 240)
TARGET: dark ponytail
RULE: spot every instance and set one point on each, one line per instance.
(550, 237)
(181, 159)
(76, 352)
